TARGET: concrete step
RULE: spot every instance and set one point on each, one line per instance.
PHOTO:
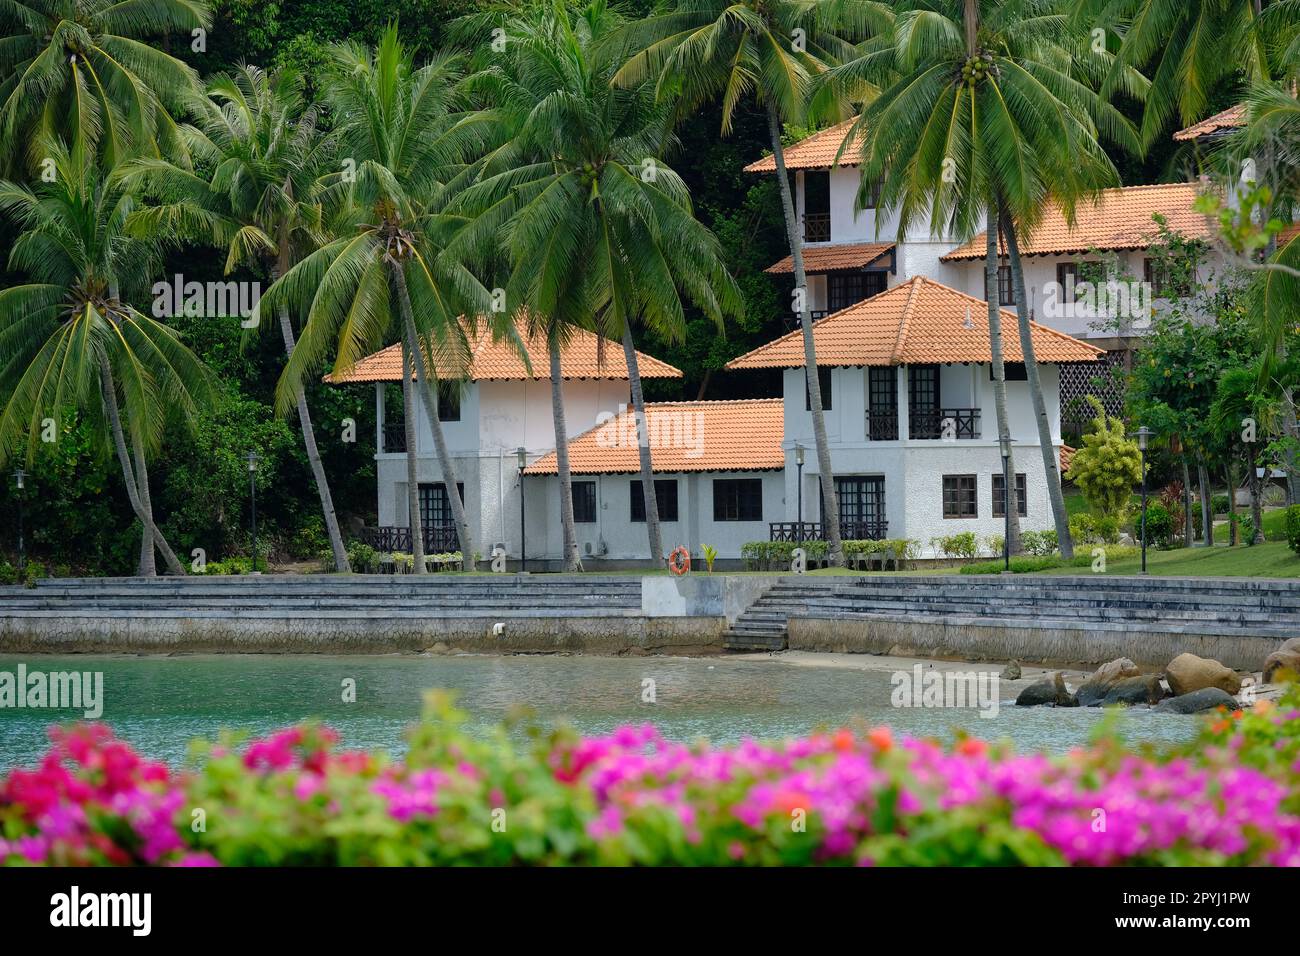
(745, 641)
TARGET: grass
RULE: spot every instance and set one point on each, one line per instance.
(1272, 559)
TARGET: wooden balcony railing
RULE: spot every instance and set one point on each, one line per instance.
(394, 437)
(817, 227)
(955, 423)
(815, 531)
(438, 539)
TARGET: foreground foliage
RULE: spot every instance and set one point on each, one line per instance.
(1231, 797)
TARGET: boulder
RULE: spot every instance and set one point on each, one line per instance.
(1135, 690)
(1094, 690)
(1187, 673)
(1049, 690)
(1011, 671)
(1207, 698)
(1287, 656)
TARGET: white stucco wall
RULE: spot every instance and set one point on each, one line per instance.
(620, 538)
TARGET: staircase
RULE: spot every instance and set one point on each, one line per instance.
(1183, 605)
(342, 597)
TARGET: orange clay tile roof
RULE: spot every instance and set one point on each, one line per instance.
(816, 152)
(1231, 118)
(1118, 219)
(499, 360)
(856, 255)
(684, 436)
(916, 323)
(1287, 233)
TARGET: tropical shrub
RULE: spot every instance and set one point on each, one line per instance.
(1219, 504)
(1293, 528)
(1232, 797)
(1038, 543)
(1020, 564)
(710, 556)
(961, 545)
(1108, 466)
(1160, 526)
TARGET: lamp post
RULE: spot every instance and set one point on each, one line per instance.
(20, 479)
(1004, 446)
(1258, 503)
(252, 496)
(1144, 435)
(798, 462)
(521, 454)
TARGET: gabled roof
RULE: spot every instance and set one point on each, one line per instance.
(816, 152)
(684, 436)
(916, 323)
(1231, 118)
(817, 259)
(499, 361)
(1118, 219)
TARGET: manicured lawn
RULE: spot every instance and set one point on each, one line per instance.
(1274, 524)
(1272, 559)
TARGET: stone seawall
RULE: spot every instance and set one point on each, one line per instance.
(1086, 644)
(158, 634)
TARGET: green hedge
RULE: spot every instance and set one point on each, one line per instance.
(777, 555)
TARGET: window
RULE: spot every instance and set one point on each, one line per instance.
(1168, 278)
(844, 289)
(1006, 291)
(882, 403)
(817, 206)
(738, 499)
(1022, 500)
(923, 387)
(824, 379)
(449, 404)
(665, 499)
(1070, 274)
(871, 197)
(1012, 372)
(435, 506)
(959, 496)
(584, 502)
(862, 507)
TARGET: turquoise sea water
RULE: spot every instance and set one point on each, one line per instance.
(160, 703)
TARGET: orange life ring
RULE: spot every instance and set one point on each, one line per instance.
(679, 562)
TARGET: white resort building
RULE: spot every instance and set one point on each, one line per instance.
(901, 335)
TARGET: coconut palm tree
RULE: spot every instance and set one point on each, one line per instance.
(984, 117)
(598, 231)
(1188, 48)
(770, 50)
(86, 72)
(69, 339)
(261, 151)
(402, 148)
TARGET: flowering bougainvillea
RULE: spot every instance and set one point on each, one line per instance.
(842, 797)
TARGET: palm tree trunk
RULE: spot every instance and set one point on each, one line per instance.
(1207, 507)
(835, 550)
(147, 567)
(992, 286)
(1232, 504)
(652, 527)
(108, 392)
(412, 464)
(1189, 535)
(313, 453)
(1051, 464)
(429, 393)
(571, 561)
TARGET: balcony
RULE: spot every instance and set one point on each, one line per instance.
(817, 227)
(882, 425)
(814, 531)
(438, 539)
(961, 424)
(394, 437)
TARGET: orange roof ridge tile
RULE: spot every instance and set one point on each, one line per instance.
(817, 151)
(897, 356)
